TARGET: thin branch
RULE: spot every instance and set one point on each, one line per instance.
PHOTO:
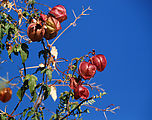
(74, 14)
(16, 107)
(44, 5)
(76, 108)
(105, 115)
(24, 69)
(73, 23)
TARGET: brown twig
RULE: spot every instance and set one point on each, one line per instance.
(73, 23)
(21, 99)
(16, 107)
(44, 5)
(76, 108)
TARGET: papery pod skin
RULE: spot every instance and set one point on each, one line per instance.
(50, 36)
(81, 92)
(43, 17)
(99, 61)
(87, 70)
(35, 32)
(53, 24)
(52, 27)
(59, 12)
(5, 94)
(74, 82)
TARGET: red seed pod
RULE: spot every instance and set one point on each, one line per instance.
(5, 94)
(81, 92)
(53, 24)
(87, 70)
(49, 36)
(73, 83)
(99, 61)
(43, 17)
(35, 32)
(59, 12)
(52, 28)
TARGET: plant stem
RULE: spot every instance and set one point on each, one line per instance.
(16, 107)
(24, 69)
(75, 108)
(23, 95)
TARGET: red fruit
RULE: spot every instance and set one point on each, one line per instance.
(73, 83)
(54, 24)
(35, 32)
(59, 12)
(43, 17)
(5, 94)
(52, 28)
(99, 61)
(49, 36)
(81, 92)
(87, 70)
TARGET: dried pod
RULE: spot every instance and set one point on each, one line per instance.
(52, 28)
(35, 32)
(81, 92)
(43, 17)
(59, 12)
(99, 61)
(49, 36)
(87, 70)
(5, 94)
(74, 82)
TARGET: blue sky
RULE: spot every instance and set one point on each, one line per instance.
(119, 29)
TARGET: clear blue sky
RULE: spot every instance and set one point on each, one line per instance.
(122, 31)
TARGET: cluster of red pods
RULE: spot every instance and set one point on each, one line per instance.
(5, 94)
(87, 70)
(47, 26)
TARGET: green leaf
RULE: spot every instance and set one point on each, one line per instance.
(21, 91)
(46, 91)
(32, 83)
(30, 113)
(44, 53)
(34, 96)
(35, 117)
(19, 94)
(24, 52)
(25, 111)
(27, 77)
(3, 117)
(49, 74)
(7, 26)
(17, 48)
(74, 105)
